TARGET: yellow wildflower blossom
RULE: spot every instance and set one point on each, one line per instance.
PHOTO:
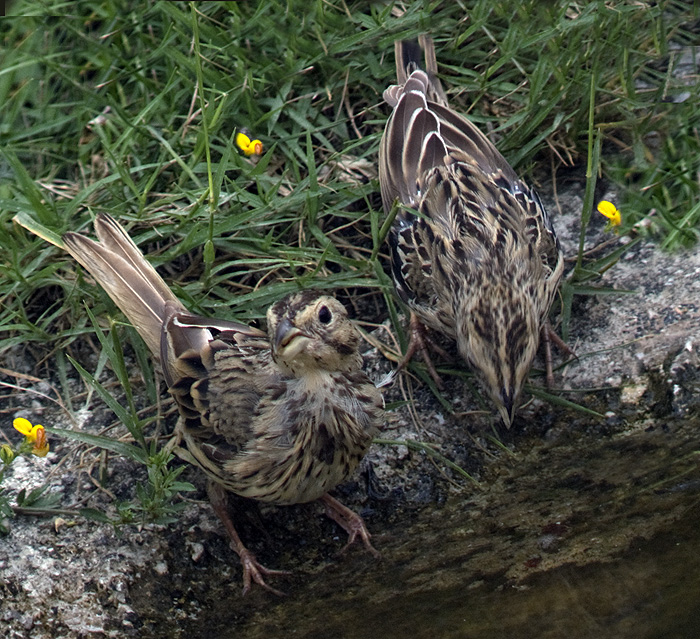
(609, 210)
(25, 427)
(246, 144)
(41, 446)
(34, 434)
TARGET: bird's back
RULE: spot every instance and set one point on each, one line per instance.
(474, 253)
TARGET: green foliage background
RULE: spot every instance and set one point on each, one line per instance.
(132, 109)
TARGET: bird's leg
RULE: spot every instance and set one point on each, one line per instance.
(547, 342)
(349, 521)
(419, 341)
(549, 335)
(252, 570)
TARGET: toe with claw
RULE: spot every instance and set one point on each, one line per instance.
(350, 522)
(253, 571)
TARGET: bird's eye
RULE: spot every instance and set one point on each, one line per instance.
(324, 315)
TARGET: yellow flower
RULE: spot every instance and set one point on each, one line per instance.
(247, 145)
(25, 427)
(41, 446)
(609, 210)
(34, 434)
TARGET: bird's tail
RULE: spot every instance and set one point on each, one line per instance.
(133, 284)
(413, 142)
(409, 56)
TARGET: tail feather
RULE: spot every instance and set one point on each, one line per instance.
(424, 133)
(409, 57)
(113, 236)
(133, 284)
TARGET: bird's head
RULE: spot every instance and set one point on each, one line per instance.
(311, 332)
(500, 342)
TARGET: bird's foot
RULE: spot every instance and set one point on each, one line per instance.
(253, 571)
(350, 522)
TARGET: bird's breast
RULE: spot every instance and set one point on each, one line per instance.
(308, 442)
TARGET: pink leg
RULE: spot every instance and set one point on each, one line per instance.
(418, 342)
(252, 570)
(549, 336)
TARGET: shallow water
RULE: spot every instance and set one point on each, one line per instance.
(588, 537)
(653, 590)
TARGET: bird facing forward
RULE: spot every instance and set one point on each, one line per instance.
(474, 253)
(282, 417)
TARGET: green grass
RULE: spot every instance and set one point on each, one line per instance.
(307, 79)
(132, 109)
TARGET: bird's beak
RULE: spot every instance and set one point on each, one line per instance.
(507, 409)
(286, 332)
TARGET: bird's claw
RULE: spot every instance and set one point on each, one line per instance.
(253, 572)
(361, 530)
(350, 522)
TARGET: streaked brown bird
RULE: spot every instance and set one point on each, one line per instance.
(282, 417)
(474, 253)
